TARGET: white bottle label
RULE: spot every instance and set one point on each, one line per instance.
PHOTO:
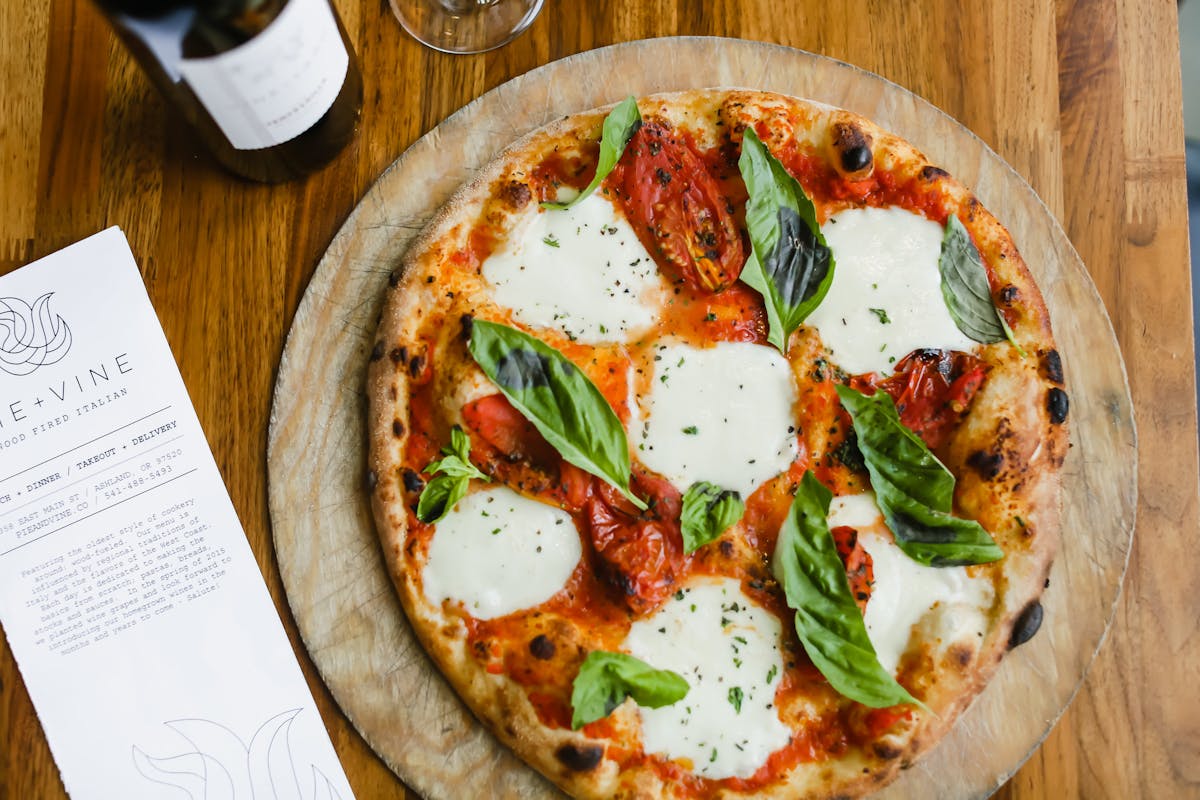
(275, 86)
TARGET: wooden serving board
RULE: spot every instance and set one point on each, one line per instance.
(331, 565)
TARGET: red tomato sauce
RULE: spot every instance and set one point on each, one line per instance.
(825, 185)
(735, 314)
(574, 170)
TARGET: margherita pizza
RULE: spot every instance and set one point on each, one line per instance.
(715, 442)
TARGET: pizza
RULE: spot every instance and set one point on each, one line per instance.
(715, 442)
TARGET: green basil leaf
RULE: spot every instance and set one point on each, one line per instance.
(914, 490)
(789, 265)
(457, 461)
(894, 451)
(439, 496)
(935, 538)
(965, 288)
(453, 474)
(560, 401)
(606, 679)
(708, 511)
(828, 621)
(619, 127)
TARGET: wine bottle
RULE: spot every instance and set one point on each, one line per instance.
(272, 87)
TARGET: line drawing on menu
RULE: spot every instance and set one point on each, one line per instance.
(222, 766)
(31, 336)
(85, 444)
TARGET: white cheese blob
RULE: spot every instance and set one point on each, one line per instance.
(581, 271)
(886, 298)
(727, 649)
(906, 593)
(722, 414)
(497, 552)
(859, 511)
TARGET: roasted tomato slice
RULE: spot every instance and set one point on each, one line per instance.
(677, 207)
(933, 390)
(503, 427)
(640, 556)
(860, 569)
(576, 485)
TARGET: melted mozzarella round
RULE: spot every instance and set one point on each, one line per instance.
(886, 297)
(497, 552)
(581, 271)
(906, 594)
(721, 414)
(727, 649)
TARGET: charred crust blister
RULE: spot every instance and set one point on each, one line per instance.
(394, 278)
(377, 351)
(398, 355)
(542, 648)
(886, 751)
(1009, 294)
(961, 655)
(986, 464)
(1052, 367)
(972, 208)
(930, 173)
(580, 758)
(412, 481)
(415, 365)
(856, 158)
(1057, 404)
(853, 148)
(397, 428)
(516, 194)
(468, 325)
(370, 480)
(1026, 625)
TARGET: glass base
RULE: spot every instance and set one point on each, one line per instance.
(465, 26)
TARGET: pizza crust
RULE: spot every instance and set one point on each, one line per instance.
(1012, 489)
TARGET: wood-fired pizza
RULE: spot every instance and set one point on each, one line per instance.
(714, 446)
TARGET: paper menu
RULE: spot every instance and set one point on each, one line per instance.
(128, 592)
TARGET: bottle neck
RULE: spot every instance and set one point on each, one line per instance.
(223, 24)
(237, 20)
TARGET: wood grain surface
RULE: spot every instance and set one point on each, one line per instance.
(1082, 97)
(337, 586)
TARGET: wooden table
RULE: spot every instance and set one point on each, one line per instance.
(1082, 98)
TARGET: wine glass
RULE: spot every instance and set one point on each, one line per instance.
(465, 26)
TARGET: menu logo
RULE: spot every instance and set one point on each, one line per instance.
(31, 336)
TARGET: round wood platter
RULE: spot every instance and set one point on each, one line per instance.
(331, 564)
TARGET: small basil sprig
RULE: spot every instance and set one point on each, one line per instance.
(558, 399)
(708, 511)
(606, 679)
(915, 491)
(453, 474)
(789, 265)
(965, 288)
(619, 127)
(828, 621)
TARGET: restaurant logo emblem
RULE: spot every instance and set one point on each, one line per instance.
(31, 336)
